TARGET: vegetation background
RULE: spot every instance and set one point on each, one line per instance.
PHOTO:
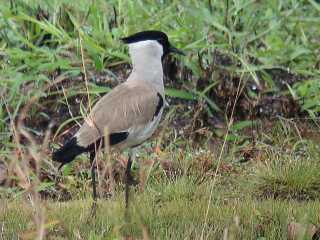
(237, 153)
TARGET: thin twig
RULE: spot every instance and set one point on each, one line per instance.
(68, 105)
(220, 155)
(84, 71)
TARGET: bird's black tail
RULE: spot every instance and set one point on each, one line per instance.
(68, 152)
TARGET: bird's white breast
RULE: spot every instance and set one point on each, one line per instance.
(139, 134)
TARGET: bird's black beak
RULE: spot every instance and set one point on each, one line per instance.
(176, 50)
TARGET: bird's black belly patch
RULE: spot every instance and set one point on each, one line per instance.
(114, 138)
(159, 105)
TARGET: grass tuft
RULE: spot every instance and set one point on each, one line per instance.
(290, 176)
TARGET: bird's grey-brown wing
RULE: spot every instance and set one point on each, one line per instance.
(126, 106)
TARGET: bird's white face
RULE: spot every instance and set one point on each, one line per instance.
(147, 48)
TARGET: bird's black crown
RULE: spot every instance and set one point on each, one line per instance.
(158, 36)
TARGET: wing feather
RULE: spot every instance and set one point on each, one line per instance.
(126, 106)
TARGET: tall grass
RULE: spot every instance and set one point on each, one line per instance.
(58, 57)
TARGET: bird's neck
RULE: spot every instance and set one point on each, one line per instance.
(147, 68)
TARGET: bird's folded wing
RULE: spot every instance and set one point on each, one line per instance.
(126, 106)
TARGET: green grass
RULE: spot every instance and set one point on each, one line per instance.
(166, 211)
(265, 175)
(264, 195)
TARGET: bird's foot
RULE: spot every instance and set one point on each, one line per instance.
(93, 210)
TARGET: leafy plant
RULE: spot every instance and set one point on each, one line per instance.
(308, 95)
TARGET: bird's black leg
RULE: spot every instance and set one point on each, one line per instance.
(94, 186)
(93, 176)
(128, 181)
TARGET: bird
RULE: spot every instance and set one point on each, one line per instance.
(130, 113)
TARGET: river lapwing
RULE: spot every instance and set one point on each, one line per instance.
(130, 112)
